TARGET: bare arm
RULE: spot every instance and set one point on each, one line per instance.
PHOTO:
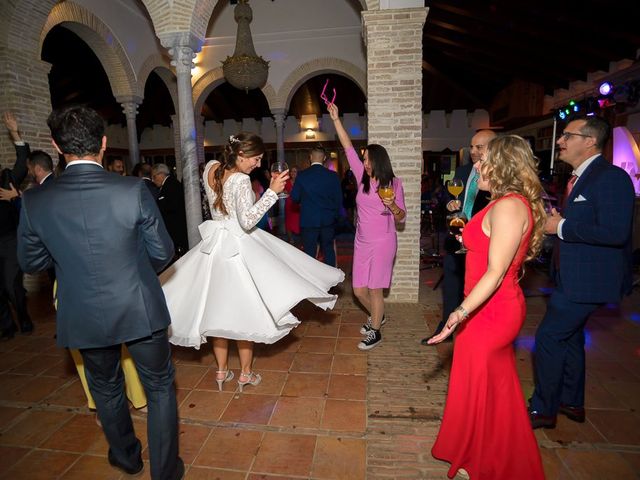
(12, 125)
(345, 141)
(506, 223)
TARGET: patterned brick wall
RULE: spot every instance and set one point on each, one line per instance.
(394, 88)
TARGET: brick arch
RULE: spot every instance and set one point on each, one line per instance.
(159, 64)
(102, 42)
(370, 4)
(314, 68)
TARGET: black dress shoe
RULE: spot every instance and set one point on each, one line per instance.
(541, 421)
(137, 470)
(179, 469)
(26, 327)
(577, 414)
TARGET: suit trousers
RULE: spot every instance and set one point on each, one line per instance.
(452, 279)
(152, 356)
(311, 236)
(559, 354)
(11, 286)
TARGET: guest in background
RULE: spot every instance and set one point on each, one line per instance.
(349, 187)
(485, 431)
(317, 190)
(143, 170)
(116, 165)
(291, 208)
(376, 242)
(171, 203)
(258, 182)
(593, 267)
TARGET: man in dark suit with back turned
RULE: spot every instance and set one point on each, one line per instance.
(170, 200)
(319, 194)
(472, 201)
(594, 231)
(107, 241)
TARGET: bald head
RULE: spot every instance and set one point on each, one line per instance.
(479, 144)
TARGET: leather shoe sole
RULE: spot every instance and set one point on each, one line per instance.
(576, 414)
(542, 421)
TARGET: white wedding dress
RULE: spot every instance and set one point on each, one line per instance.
(240, 282)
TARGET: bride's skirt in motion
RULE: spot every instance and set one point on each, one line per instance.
(241, 286)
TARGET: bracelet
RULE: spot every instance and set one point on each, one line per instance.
(463, 311)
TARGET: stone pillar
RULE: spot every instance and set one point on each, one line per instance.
(394, 98)
(130, 109)
(183, 61)
(278, 115)
(200, 137)
(175, 126)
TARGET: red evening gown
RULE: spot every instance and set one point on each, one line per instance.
(485, 427)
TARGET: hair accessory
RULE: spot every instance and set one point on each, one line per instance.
(233, 139)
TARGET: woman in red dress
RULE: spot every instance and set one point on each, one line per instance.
(485, 431)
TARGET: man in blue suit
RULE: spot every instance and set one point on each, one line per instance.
(594, 231)
(318, 192)
(107, 240)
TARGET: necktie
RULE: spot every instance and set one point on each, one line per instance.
(567, 191)
(472, 191)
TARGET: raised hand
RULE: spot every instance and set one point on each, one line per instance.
(10, 121)
(9, 194)
(333, 111)
(278, 181)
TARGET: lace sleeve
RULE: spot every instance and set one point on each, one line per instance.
(249, 211)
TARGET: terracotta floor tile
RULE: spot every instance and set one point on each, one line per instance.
(93, 467)
(36, 364)
(349, 346)
(272, 383)
(41, 465)
(297, 412)
(9, 414)
(36, 345)
(322, 330)
(554, 469)
(9, 456)
(204, 405)
(596, 396)
(348, 387)
(353, 316)
(604, 371)
(77, 435)
(204, 356)
(199, 473)
(34, 428)
(567, 431)
(318, 345)
(71, 395)
(596, 465)
(36, 389)
(340, 458)
(229, 448)
(182, 394)
(188, 376)
(208, 382)
(312, 362)
(274, 361)
(344, 415)
(618, 426)
(306, 385)
(287, 344)
(10, 382)
(264, 476)
(633, 459)
(323, 317)
(13, 360)
(285, 454)
(65, 368)
(191, 439)
(350, 330)
(349, 364)
(253, 409)
(628, 393)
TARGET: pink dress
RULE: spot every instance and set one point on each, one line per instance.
(375, 245)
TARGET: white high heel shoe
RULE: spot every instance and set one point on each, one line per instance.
(251, 379)
(228, 375)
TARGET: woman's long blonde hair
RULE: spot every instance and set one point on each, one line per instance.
(511, 167)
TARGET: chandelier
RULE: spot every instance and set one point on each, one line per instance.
(245, 70)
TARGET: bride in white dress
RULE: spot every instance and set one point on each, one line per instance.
(240, 282)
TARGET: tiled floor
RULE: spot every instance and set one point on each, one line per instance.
(324, 410)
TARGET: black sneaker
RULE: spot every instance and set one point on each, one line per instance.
(373, 338)
(366, 327)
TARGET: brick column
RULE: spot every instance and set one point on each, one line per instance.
(394, 98)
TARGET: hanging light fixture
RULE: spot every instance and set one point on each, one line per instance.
(245, 70)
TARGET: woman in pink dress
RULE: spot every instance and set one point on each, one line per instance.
(375, 244)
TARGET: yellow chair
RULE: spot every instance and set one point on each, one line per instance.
(133, 387)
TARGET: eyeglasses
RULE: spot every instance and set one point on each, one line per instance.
(568, 135)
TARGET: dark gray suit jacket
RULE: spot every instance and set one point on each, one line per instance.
(105, 237)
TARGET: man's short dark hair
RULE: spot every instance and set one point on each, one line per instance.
(318, 148)
(77, 130)
(42, 159)
(598, 128)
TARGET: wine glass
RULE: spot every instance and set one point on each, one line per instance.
(456, 223)
(385, 193)
(277, 168)
(455, 187)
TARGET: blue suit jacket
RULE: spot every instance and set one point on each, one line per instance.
(319, 194)
(105, 237)
(595, 253)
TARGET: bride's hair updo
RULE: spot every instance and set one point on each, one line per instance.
(244, 144)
